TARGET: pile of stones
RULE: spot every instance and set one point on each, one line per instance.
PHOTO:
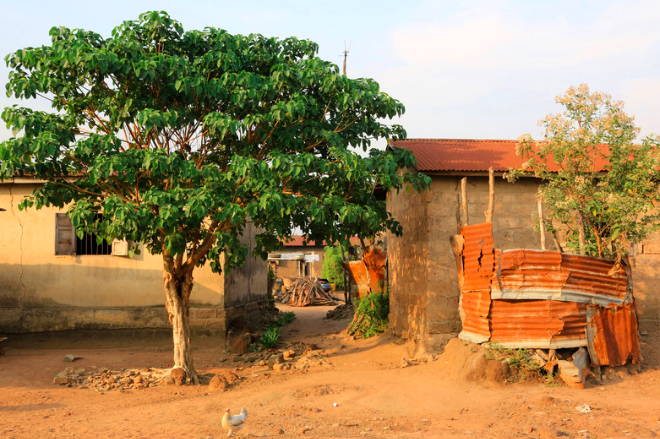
(103, 379)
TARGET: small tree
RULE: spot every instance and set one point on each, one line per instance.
(599, 184)
(180, 139)
(332, 267)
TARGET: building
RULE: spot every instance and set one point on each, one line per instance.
(424, 290)
(297, 259)
(51, 281)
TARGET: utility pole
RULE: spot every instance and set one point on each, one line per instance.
(345, 56)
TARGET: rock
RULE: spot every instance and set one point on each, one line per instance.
(405, 363)
(178, 375)
(126, 381)
(305, 429)
(279, 367)
(289, 354)
(276, 432)
(71, 358)
(61, 380)
(218, 383)
(275, 359)
(584, 409)
(239, 346)
(231, 377)
(261, 363)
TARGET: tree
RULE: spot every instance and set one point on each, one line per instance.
(181, 138)
(332, 269)
(599, 184)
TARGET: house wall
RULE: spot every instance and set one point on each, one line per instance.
(423, 277)
(408, 264)
(41, 291)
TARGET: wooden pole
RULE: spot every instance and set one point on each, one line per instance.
(539, 205)
(465, 220)
(458, 214)
(491, 194)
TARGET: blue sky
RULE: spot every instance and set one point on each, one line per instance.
(481, 69)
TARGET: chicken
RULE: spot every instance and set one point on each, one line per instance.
(233, 423)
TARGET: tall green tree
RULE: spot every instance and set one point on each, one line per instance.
(600, 184)
(181, 138)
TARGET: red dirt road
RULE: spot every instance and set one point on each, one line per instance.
(375, 397)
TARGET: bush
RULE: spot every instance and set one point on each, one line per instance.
(371, 315)
(270, 337)
(332, 267)
(333, 270)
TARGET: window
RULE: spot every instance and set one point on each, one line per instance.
(67, 243)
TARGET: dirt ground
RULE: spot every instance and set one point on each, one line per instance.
(375, 396)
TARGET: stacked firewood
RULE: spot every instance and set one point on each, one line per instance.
(308, 291)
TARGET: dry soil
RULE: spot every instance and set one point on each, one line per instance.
(353, 388)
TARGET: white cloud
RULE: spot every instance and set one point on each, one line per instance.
(485, 69)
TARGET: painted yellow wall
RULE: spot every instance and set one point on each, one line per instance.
(112, 288)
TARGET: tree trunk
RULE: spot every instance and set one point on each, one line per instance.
(178, 289)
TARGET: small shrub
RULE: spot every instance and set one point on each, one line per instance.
(520, 361)
(269, 339)
(288, 317)
(371, 315)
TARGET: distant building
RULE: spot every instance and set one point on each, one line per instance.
(297, 260)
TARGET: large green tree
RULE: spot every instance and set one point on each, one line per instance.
(600, 183)
(180, 138)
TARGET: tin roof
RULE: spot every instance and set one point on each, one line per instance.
(465, 154)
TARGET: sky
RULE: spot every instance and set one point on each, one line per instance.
(479, 69)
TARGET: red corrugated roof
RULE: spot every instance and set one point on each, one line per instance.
(464, 154)
(297, 241)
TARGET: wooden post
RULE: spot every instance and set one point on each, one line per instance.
(491, 194)
(465, 220)
(539, 205)
(458, 214)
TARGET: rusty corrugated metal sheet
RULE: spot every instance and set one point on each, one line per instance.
(535, 274)
(546, 324)
(357, 273)
(466, 154)
(478, 256)
(613, 335)
(370, 273)
(544, 299)
(474, 310)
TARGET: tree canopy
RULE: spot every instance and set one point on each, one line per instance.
(601, 184)
(181, 138)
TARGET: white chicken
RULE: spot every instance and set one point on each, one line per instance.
(233, 423)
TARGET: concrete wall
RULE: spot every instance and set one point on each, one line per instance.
(424, 290)
(40, 291)
(408, 264)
